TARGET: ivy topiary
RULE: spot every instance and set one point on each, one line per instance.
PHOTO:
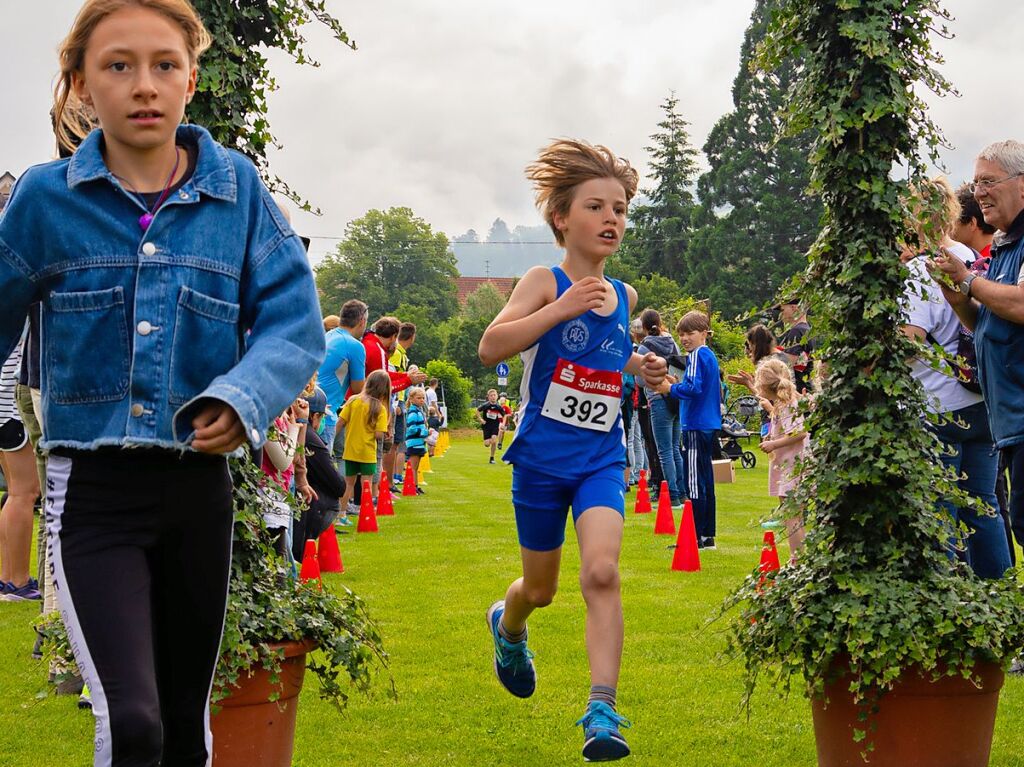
(874, 593)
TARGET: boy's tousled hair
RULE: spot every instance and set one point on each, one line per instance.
(377, 391)
(773, 380)
(72, 122)
(406, 331)
(694, 321)
(563, 165)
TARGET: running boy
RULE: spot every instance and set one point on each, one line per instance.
(570, 324)
(700, 413)
(492, 416)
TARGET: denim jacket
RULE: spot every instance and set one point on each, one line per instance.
(215, 300)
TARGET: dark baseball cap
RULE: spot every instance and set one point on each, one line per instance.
(317, 401)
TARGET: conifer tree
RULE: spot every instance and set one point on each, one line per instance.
(756, 220)
(657, 243)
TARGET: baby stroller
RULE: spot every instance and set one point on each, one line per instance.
(735, 426)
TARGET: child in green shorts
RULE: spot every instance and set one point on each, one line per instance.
(365, 418)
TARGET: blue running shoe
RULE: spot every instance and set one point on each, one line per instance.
(602, 741)
(28, 592)
(513, 662)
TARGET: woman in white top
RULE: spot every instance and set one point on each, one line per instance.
(964, 426)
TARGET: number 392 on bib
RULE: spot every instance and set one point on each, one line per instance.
(584, 397)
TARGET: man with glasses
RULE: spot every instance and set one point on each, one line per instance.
(993, 307)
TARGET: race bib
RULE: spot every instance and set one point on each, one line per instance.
(584, 397)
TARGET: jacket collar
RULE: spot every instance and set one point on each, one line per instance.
(214, 174)
(1011, 235)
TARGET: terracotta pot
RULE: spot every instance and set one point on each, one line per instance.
(250, 729)
(921, 723)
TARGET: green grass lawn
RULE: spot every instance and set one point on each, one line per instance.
(428, 577)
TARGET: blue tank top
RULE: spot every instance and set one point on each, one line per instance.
(572, 385)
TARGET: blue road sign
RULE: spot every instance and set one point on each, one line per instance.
(502, 370)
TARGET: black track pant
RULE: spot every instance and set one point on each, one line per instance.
(651, 448)
(140, 549)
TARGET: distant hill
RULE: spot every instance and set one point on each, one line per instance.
(505, 252)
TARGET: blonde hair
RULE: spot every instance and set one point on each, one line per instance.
(934, 210)
(413, 391)
(331, 321)
(565, 164)
(71, 121)
(376, 391)
(773, 380)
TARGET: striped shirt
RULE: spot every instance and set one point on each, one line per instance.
(8, 381)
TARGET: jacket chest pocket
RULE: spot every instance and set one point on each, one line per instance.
(86, 341)
(205, 343)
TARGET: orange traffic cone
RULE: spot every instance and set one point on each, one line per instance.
(310, 567)
(687, 558)
(385, 508)
(643, 495)
(328, 554)
(409, 485)
(664, 523)
(367, 517)
(769, 555)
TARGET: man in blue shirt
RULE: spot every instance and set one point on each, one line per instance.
(343, 369)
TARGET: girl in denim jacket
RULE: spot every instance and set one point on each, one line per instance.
(179, 317)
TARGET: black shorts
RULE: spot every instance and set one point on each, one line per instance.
(416, 451)
(490, 431)
(13, 436)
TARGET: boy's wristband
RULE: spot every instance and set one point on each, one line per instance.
(301, 420)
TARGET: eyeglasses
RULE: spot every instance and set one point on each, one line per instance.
(984, 185)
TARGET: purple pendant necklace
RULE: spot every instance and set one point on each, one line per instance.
(147, 218)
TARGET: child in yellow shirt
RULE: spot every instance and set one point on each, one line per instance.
(365, 418)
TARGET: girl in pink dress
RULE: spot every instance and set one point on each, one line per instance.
(787, 440)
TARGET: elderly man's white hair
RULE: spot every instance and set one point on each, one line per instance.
(1009, 154)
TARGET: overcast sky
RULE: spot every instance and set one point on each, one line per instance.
(444, 102)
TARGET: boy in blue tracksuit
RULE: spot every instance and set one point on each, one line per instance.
(700, 412)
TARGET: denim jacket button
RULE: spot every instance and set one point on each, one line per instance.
(149, 249)
(144, 328)
(137, 410)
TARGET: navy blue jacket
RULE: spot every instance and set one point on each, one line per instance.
(999, 345)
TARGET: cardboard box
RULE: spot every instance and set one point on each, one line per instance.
(724, 471)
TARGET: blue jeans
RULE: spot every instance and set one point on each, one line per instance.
(665, 426)
(635, 449)
(974, 457)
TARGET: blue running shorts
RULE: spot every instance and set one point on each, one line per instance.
(542, 502)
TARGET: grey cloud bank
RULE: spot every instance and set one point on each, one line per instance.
(444, 103)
